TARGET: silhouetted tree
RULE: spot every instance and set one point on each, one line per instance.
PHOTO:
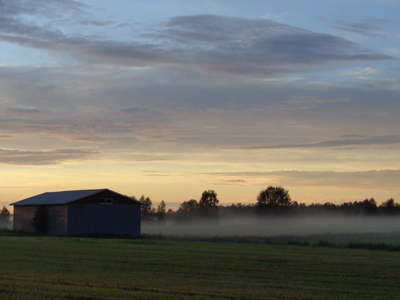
(160, 213)
(39, 221)
(5, 218)
(187, 210)
(189, 206)
(208, 205)
(147, 211)
(369, 207)
(390, 207)
(275, 199)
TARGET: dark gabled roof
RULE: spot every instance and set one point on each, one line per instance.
(64, 197)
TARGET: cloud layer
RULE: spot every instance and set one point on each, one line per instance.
(259, 48)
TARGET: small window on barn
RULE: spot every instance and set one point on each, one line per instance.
(106, 201)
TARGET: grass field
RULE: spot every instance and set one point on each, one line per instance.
(79, 268)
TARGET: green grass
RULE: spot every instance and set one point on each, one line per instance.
(88, 268)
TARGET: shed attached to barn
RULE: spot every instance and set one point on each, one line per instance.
(83, 212)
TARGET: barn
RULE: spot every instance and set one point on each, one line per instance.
(82, 212)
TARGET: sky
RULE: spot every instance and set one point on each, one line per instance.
(170, 98)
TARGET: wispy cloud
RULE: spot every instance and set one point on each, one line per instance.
(44, 8)
(89, 128)
(233, 182)
(155, 173)
(342, 142)
(44, 157)
(363, 72)
(23, 112)
(369, 27)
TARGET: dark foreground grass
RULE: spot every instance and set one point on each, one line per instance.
(80, 268)
(370, 241)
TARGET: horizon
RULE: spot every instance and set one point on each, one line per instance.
(174, 206)
(170, 99)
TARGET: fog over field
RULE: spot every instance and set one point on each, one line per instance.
(302, 226)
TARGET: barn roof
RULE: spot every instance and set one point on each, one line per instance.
(64, 197)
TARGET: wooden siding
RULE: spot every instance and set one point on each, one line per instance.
(56, 219)
(23, 217)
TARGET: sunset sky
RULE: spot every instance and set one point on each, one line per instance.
(171, 98)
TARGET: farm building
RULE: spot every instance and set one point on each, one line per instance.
(83, 212)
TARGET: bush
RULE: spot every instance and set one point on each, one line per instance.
(39, 221)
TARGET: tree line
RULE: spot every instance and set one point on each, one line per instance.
(150, 213)
(206, 208)
(270, 202)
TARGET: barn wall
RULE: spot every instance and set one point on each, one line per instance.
(104, 219)
(23, 217)
(57, 219)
